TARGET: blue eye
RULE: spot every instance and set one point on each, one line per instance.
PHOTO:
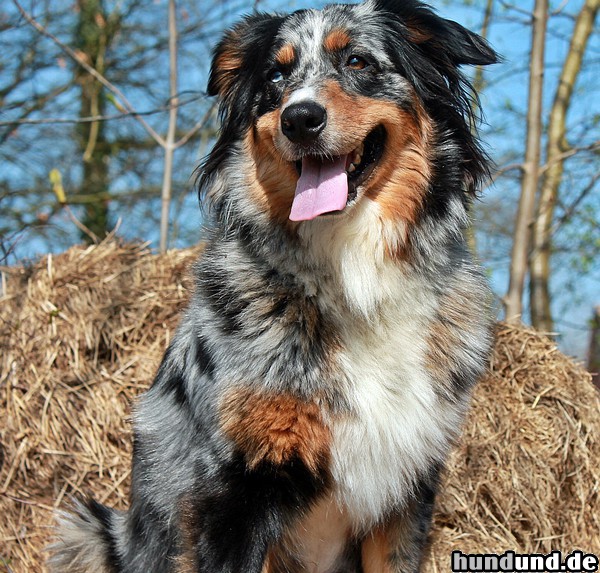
(276, 76)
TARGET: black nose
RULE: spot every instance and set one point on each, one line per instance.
(302, 122)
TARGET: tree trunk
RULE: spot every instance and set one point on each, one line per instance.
(529, 185)
(91, 40)
(541, 315)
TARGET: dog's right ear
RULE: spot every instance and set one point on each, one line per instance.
(227, 62)
(241, 50)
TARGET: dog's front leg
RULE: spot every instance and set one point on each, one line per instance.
(397, 545)
(228, 526)
(279, 467)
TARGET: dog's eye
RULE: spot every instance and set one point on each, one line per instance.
(357, 63)
(276, 76)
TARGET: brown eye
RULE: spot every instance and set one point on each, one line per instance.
(357, 63)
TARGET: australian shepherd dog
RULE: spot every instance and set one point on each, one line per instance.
(303, 412)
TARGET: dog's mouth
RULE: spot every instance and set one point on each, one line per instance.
(327, 185)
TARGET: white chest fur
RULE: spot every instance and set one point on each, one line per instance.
(398, 425)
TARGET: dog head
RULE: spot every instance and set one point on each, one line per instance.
(324, 109)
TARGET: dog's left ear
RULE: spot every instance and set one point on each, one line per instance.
(438, 36)
(463, 46)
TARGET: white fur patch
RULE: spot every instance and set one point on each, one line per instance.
(352, 246)
(398, 425)
(303, 94)
(79, 546)
(310, 35)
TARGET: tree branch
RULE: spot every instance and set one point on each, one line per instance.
(94, 118)
(171, 132)
(93, 72)
(199, 125)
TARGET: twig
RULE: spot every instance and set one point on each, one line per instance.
(573, 206)
(94, 118)
(80, 225)
(568, 154)
(508, 6)
(562, 157)
(199, 125)
(560, 8)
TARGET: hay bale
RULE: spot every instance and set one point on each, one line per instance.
(526, 475)
(82, 334)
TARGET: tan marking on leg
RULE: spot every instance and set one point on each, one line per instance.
(186, 561)
(376, 552)
(315, 541)
(318, 540)
(397, 546)
(279, 560)
(275, 428)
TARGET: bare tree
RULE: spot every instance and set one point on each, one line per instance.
(529, 185)
(557, 151)
(104, 74)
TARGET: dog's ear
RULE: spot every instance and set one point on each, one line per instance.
(463, 46)
(241, 50)
(438, 36)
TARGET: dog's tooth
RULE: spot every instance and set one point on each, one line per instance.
(351, 168)
(360, 149)
(357, 158)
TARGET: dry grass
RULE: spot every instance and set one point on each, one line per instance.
(526, 476)
(82, 333)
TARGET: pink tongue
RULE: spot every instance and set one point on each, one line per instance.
(322, 188)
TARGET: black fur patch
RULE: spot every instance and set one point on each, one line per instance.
(235, 520)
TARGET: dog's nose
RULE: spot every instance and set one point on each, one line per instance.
(302, 122)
